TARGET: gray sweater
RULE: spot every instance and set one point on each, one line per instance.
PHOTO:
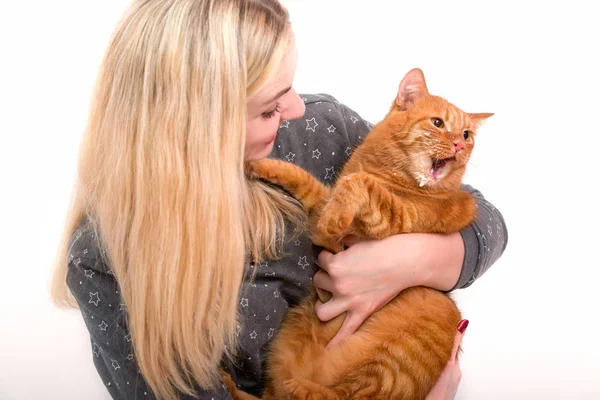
(321, 142)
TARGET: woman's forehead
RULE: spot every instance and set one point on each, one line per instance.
(278, 83)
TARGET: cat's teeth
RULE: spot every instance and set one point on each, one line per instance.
(422, 178)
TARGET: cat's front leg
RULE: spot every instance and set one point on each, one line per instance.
(302, 389)
(383, 214)
(268, 169)
(347, 199)
(467, 208)
(304, 187)
(444, 215)
(362, 206)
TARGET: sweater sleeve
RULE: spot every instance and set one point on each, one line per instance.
(97, 294)
(485, 239)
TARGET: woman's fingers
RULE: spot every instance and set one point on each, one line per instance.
(352, 322)
(447, 385)
(322, 280)
(330, 310)
(324, 259)
(462, 326)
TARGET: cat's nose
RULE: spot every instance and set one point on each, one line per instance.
(458, 145)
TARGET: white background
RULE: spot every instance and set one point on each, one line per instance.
(534, 315)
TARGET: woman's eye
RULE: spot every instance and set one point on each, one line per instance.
(271, 114)
(437, 122)
(466, 134)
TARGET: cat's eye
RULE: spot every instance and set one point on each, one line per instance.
(437, 122)
(466, 134)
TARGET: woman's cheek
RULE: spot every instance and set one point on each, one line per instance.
(270, 128)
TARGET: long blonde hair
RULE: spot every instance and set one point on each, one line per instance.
(161, 178)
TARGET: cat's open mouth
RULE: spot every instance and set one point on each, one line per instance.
(437, 165)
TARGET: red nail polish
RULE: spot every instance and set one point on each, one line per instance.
(462, 325)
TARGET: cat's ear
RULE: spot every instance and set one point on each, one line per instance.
(412, 88)
(478, 118)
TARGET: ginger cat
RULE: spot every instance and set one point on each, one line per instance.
(404, 177)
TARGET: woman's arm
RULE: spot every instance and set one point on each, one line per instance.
(484, 240)
(456, 260)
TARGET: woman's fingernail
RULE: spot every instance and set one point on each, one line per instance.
(462, 325)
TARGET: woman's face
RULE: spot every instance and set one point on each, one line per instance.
(276, 102)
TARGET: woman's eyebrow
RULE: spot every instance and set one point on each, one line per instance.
(281, 93)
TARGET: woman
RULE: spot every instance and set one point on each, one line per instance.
(178, 262)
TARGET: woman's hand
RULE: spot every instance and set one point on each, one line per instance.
(367, 275)
(447, 386)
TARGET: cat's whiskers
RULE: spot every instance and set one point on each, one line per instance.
(415, 143)
(409, 158)
(408, 142)
(418, 166)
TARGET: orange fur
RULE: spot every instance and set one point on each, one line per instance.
(395, 182)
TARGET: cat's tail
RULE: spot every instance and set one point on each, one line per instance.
(304, 187)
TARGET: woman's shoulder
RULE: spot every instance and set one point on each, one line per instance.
(322, 140)
(328, 109)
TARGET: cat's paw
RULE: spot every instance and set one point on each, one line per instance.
(303, 389)
(258, 169)
(319, 238)
(251, 170)
(264, 169)
(335, 222)
(228, 381)
(296, 390)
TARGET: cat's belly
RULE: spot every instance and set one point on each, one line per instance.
(414, 332)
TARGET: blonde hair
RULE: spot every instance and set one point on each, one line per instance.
(161, 178)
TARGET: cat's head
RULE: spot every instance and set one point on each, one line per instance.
(434, 137)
